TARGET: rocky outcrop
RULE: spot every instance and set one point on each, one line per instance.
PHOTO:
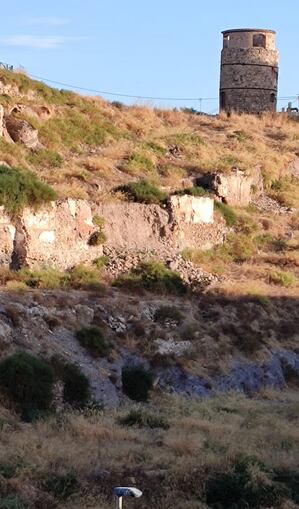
(41, 112)
(190, 210)
(45, 323)
(236, 188)
(21, 131)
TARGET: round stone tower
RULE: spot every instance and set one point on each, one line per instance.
(249, 71)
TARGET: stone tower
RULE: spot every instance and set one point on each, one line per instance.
(249, 71)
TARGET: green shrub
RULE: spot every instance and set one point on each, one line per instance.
(20, 189)
(154, 277)
(171, 313)
(101, 261)
(137, 382)
(285, 279)
(76, 386)
(45, 158)
(141, 419)
(93, 340)
(137, 164)
(28, 381)
(142, 192)
(84, 277)
(98, 221)
(97, 238)
(62, 486)
(237, 488)
(193, 191)
(239, 247)
(44, 278)
(227, 213)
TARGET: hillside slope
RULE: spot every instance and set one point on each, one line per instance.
(156, 362)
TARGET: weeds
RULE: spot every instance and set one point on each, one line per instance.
(45, 158)
(285, 279)
(141, 419)
(168, 313)
(227, 213)
(137, 164)
(142, 192)
(153, 277)
(62, 486)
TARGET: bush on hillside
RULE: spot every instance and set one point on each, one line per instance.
(141, 419)
(97, 238)
(196, 191)
(137, 382)
(138, 163)
(84, 277)
(28, 382)
(62, 486)
(280, 278)
(101, 262)
(93, 340)
(238, 488)
(76, 386)
(154, 277)
(20, 189)
(47, 278)
(227, 213)
(170, 313)
(142, 192)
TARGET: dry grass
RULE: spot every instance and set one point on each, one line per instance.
(204, 437)
(101, 136)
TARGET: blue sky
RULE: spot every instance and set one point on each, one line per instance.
(163, 48)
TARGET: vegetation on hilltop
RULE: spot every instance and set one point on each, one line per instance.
(87, 139)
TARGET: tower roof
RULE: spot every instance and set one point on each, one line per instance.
(225, 32)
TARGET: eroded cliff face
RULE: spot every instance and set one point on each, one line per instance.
(59, 234)
(55, 236)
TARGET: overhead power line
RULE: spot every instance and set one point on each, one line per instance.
(129, 96)
(147, 97)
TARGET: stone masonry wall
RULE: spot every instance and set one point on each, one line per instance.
(249, 73)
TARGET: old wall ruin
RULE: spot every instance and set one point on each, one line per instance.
(59, 234)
